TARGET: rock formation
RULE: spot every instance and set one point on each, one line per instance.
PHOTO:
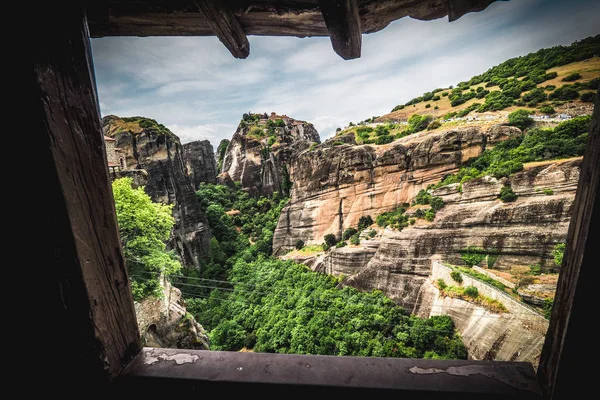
(338, 182)
(164, 322)
(152, 147)
(200, 163)
(523, 232)
(335, 184)
(261, 150)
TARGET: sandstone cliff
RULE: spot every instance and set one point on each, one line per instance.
(261, 150)
(335, 184)
(338, 182)
(200, 164)
(165, 322)
(152, 147)
(523, 232)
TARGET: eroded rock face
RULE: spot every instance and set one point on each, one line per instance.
(200, 163)
(523, 232)
(260, 163)
(160, 153)
(166, 323)
(334, 185)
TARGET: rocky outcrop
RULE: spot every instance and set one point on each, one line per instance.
(523, 232)
(261, 150)
(165, 322)
(139, 177)
(514, 335)
(335, 184)
(200, 164)
(152, 147)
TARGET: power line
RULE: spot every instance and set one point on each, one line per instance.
(313, 292)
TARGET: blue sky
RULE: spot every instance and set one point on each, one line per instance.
(196, 88)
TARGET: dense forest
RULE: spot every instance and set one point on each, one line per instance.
(248, 299)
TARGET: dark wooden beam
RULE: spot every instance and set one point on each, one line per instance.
(273, 18)
(85, 297)
(458, 8)
(343, 24)
(571, 336)
(225, 26)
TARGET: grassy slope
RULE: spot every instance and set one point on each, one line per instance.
(588, 69)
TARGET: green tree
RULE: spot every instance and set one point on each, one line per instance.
(520, 119)
(456, 276)
(471, 291)
(572, 77)
(472, 255)
(436, 203)
(546, 109)
(330, 239)
(507, 195)
(364, 222)
(144, 227)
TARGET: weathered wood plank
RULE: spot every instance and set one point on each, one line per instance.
(178, 371)
(343, 25)
(226, 26)
(570, 337)
(93, 326)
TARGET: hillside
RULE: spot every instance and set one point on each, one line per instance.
(550, 84)
(532, 81)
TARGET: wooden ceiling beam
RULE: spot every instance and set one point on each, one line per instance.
(226, 26)
(343, 23)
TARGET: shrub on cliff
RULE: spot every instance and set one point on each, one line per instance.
(355, 239)
(558, 253)
(364, 222)
(472, 255)
(471, 291)
(436, 203)
(299, 244)
(330, 239)
(384, 139)
(430, 215)
(547, 109)
(507, 195)
(456, 276)
(434, 125)
(394, 219)
(520, 119)
(417, 123)
(341, 244)
(348, 232)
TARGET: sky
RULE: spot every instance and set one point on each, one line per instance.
(196, 88)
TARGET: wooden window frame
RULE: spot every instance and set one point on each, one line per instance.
(90, 301)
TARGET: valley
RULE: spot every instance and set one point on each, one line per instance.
(434, 231)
